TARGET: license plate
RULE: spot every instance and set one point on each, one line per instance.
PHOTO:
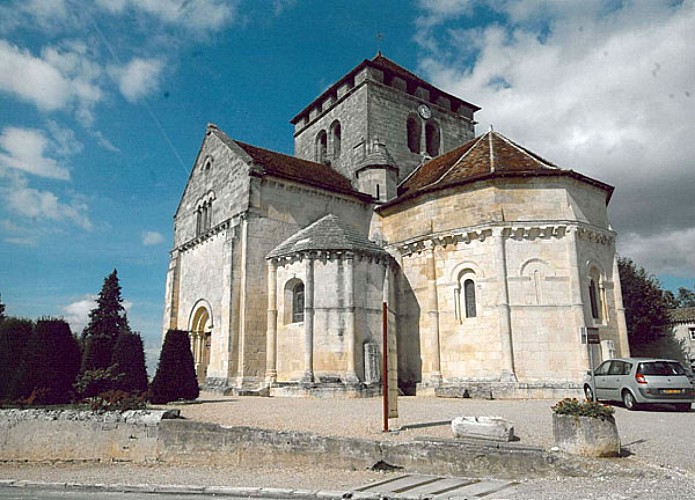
(672, 391)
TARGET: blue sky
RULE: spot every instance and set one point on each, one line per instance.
(104, 103)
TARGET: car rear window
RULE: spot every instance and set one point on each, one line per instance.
(660, 368)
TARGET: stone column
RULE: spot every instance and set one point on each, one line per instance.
(350, 373)
(620, 311)
(241, 344)
(309, 321)
(433, 313)
(576, 295)
(271, 373)
(503, 309)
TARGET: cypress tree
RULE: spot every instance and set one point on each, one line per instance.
(14, 336)
(50, 363)
(175, 377)
(129, 362)
(106, 322)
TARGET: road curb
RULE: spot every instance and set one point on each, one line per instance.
(217, 491)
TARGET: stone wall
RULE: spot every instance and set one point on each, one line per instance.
(530, 246)
(65, 435)
(153, 437)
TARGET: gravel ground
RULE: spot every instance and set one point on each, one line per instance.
(659, 438)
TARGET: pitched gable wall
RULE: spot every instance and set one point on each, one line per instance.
(227, 178)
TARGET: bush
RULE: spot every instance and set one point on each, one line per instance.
(50, 364)
(91, 383)
(129, 362)
(583, 409)
(118, 401)
(175, 377)
(14, 336)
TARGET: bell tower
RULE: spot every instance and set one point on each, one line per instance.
(378, 122)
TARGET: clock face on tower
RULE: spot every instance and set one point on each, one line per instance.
(425, 111)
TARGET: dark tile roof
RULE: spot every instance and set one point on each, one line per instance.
(296, 169)
(327, 233)
(682, 315)
(489, 155)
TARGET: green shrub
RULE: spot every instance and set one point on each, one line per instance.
(583, 409)
(91, 383)
(118, 401)
(129, 362)
(14, 336)
(175, 377)
(49, 365)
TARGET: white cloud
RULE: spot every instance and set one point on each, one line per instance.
(45, 205)
(150, 238)
(77, 313)
(60, 79)
(138, 78)
(190, 14)
(32, 79)
(603, 88)
(26, 150)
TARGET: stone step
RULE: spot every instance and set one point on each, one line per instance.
(415, 485)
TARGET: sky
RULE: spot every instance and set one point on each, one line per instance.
(104, 104)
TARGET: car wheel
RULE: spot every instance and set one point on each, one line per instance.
(589, 393)
(685, 407)
(629, 401)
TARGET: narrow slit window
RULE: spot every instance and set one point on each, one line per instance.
(469, 298)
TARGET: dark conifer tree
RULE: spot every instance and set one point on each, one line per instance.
(175, 377)
(129, 363)
(2, 309)
(14, 336)
(50, 363)
(106, 322)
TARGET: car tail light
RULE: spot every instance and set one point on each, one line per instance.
(640, 378)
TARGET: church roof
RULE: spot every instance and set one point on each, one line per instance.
(288, 167)
(489, 155)
(327, 233)
(389, 67)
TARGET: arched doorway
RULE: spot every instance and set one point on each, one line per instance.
(201, 339)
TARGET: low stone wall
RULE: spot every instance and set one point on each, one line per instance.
(145, 437)
(38, 435)
(507, 390)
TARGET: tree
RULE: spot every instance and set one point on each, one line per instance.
(175, 377)
(646, 313)
(2, 309)
(129, 362)
(14, 336)
(50, 364)
(685, 298)
(106, 322)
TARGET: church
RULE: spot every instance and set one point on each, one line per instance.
(484, 266)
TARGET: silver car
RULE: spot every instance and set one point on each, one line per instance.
(640, 381)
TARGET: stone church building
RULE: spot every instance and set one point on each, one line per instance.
(492, 261)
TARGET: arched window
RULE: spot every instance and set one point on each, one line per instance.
(413, 130)
(321, 146)
(469, 298)
(594, 300)
(298, 303)
(336, 136)
(432, 139)
(464, 296)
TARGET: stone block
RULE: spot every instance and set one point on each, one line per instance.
(586, 436)
(493, 428)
